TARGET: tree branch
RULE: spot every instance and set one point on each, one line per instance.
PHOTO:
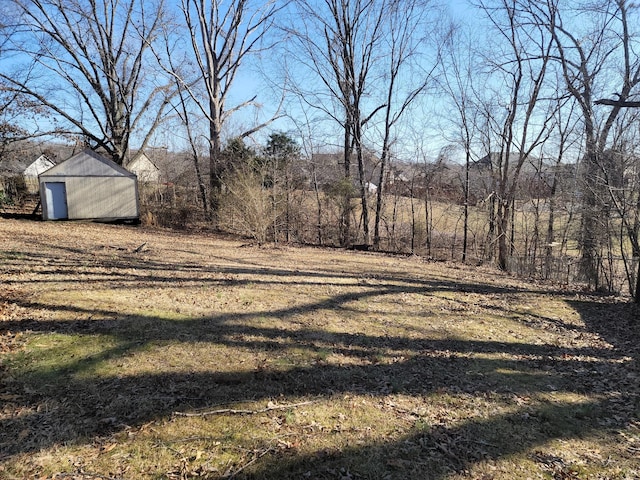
(618, 103)
(232, 411)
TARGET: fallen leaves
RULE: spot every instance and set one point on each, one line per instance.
(190, 360)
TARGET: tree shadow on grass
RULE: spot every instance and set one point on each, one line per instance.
(81, 409)
(68, 404)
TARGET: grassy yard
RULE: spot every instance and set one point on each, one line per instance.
(129, 353)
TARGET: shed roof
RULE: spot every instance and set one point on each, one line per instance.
(23, 166)
(87, 164)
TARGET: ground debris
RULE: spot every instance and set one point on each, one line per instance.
(233, 411)
(557, 466)
(413, 372)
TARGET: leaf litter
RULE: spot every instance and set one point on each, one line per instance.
(385, 367)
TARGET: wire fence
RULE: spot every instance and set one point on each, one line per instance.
(615, 274)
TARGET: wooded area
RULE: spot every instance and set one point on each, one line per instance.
(393, 125)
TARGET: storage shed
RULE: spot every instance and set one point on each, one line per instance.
(88, 186)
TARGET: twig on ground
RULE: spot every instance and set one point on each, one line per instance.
(233, 411)
(80, 475)
(140, 248)
(251, 462)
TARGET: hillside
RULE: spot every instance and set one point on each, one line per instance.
(133, 353)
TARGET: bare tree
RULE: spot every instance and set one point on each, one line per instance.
(8, 26)
(622, 181)
(566, 126)
(403, 40)
(87, 62)
(188, 121)
(521, 70)
(595, 53)
(223, 35)
(457, 82)
(338, 40)
(186, 79)
(304, 126)
(21, 117)
(17, 111)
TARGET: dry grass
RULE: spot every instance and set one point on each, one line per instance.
(193, 356)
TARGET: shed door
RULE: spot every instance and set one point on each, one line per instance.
(56, 199)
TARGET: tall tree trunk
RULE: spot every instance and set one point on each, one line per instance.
(413, 223)
(202, 189)
(637, 293)
(363, 184)
(379, 197)
(590, 231)
(427, 222)
(465, 232)
(491, 235)
(345, 217)
(550, 225)
(318, 197)
(503, 216)
(215, 169)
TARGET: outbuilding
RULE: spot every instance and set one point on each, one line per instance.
(89, 186)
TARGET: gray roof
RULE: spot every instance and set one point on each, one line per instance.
(19, 165)
(87, 164)
(13, 166)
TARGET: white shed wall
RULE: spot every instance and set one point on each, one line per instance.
(99, 197)
(102, 197)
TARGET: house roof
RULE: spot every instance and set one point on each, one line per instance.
(491, 158)
(87, 164)
(13, 166)
(40, 165)
(142, 162)
(22, 166)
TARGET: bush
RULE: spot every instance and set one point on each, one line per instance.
(5, 199)
(247, 207)
(14, 190)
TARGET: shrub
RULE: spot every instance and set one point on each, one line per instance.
(247, 207)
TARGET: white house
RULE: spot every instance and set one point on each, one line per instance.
(40, 165)
(15, 171)
(144, 168)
